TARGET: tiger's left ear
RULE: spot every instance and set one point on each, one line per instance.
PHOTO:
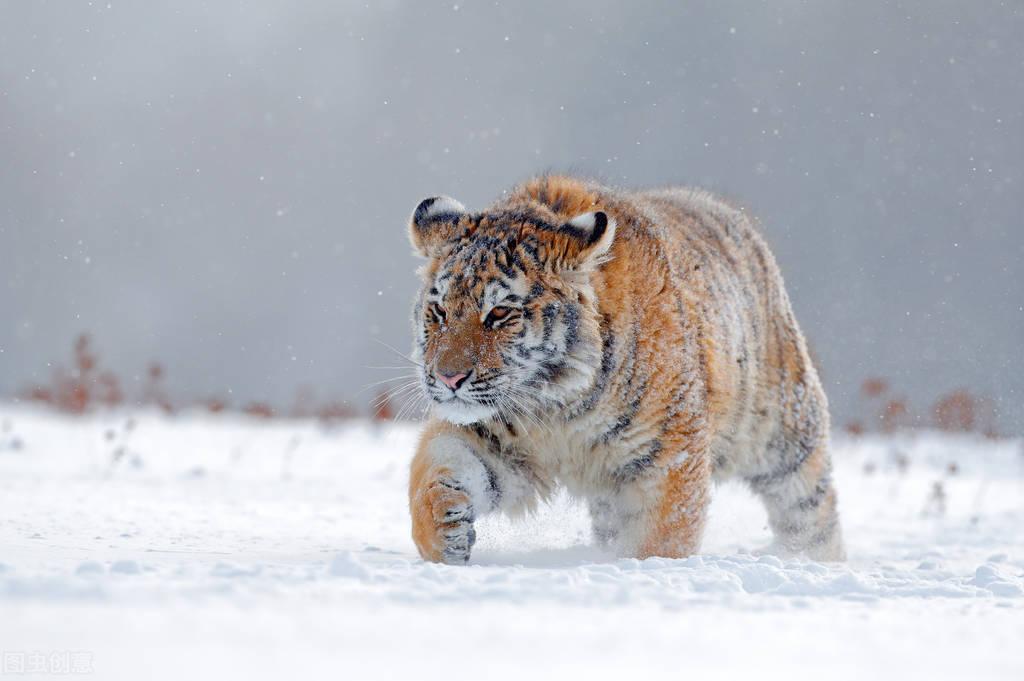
(435, 223)
(591, 235)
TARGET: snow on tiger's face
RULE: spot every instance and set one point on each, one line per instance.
(505, 323)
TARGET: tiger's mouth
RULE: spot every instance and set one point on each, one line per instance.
(461, 411)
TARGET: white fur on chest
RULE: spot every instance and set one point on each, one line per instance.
(565, 454)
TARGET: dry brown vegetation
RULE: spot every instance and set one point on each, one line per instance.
(82, 387)
(85, 386)
(959, 411)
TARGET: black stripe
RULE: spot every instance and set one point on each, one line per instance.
(638, 466)
(794, 454)
(814, 499)
(572, 326)
(624, 421)
(604, 374)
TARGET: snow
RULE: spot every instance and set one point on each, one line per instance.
(155, 547)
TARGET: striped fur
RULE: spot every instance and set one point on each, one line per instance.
(630, 346)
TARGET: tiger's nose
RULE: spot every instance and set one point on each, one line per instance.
(453, 381)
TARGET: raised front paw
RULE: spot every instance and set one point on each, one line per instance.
(442, 523)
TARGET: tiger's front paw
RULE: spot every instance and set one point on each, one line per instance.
(442, 523)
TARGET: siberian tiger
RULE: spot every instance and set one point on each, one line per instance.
(632, 346)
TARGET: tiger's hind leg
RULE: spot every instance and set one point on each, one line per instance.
(800, 498)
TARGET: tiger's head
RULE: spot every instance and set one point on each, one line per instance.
(506, 323)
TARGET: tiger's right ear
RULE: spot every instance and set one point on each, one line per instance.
(435, 223)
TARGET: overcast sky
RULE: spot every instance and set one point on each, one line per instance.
(224, 186)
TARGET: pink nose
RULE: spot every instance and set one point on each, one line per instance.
(453, 381)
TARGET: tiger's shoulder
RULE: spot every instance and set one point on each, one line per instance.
(689, 290)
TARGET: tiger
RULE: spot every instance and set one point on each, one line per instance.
(633, 347)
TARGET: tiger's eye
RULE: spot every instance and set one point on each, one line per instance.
(496, 315)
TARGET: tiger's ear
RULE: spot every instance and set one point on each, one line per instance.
(434, 223)
(591, 235)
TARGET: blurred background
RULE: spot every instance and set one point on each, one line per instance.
(223, 187)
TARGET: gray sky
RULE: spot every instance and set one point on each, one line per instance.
(224, 186)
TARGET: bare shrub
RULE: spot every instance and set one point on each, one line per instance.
(855, 428)
(78, 389)
(963, 412)
(894, 416)
(259, 410)
(874, 387)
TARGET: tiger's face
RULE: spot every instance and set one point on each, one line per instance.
(506, 323)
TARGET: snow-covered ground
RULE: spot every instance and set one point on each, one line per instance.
(150, 547)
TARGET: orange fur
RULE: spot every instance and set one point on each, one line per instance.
(708, 373)
(676, 521)
(429, 500)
